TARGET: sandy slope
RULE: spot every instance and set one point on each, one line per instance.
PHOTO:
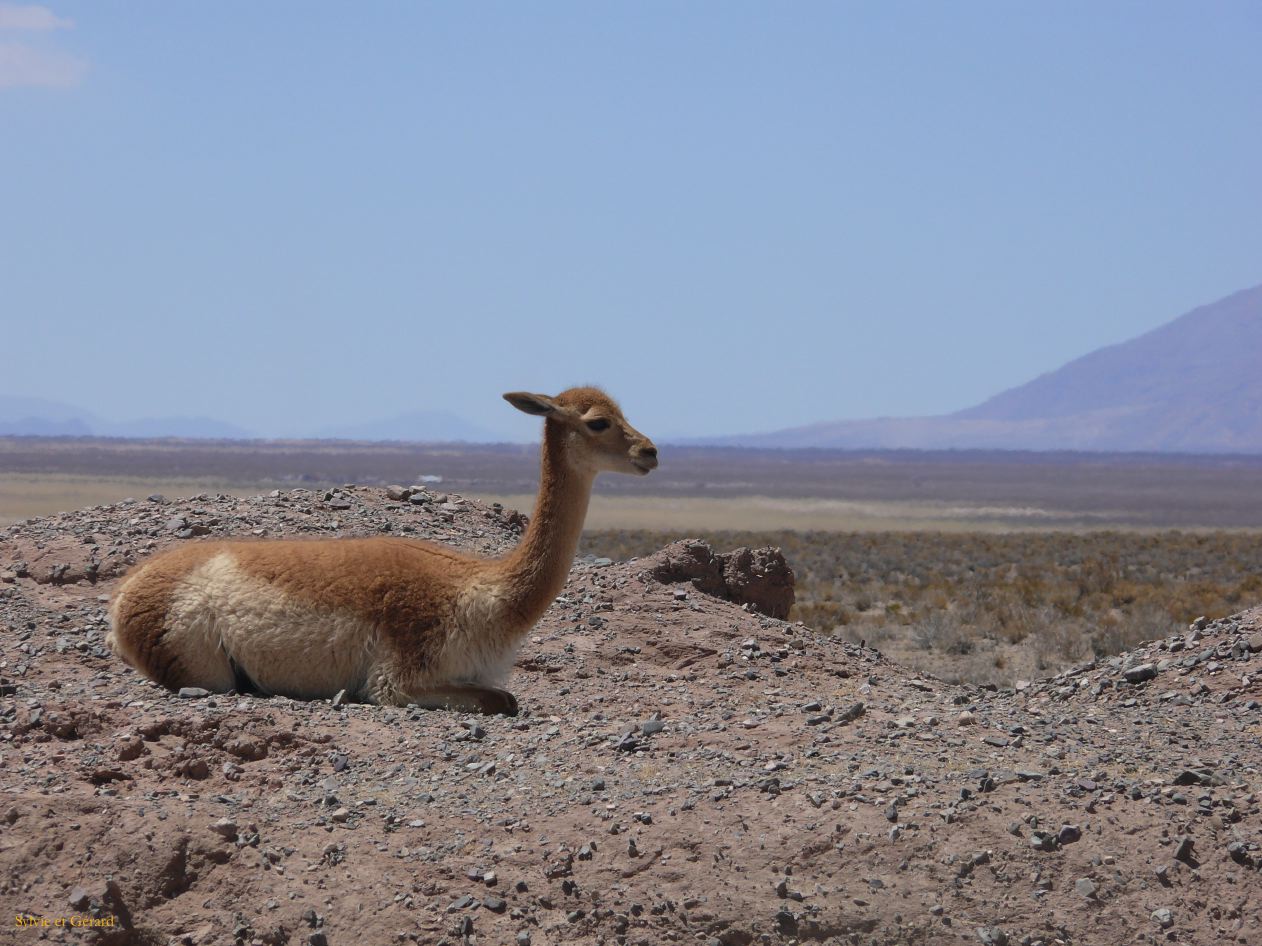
(801, 789)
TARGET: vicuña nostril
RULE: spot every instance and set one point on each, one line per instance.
(648, 451)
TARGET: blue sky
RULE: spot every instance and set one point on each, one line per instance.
(735, 216)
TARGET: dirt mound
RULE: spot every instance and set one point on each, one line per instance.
(684, 770)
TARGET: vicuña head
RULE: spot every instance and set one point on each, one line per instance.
(388, 620)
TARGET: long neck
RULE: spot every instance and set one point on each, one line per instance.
(537, 569)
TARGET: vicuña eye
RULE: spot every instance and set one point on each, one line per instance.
(599, 424)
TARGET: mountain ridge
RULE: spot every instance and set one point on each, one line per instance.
(41, 417)
(1190, 385)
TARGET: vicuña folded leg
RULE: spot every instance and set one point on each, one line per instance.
(467, 699)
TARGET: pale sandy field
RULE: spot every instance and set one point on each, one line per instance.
(773, 513)
(23, 496)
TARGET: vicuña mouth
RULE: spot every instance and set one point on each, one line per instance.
(644, 464)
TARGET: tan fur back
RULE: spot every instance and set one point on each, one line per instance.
(299, 616)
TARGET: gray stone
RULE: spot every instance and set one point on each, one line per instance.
(1140, 673)
(1085, 887)
(652, 726)
(1043, 842)
(1238, 851)
(193, 693)
(1183, 849)
(851, 713)
(1197, 777)
(225, 828)
(1163, 918)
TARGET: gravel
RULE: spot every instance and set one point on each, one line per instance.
(652, 790)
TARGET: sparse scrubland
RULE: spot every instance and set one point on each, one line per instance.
(994, 608)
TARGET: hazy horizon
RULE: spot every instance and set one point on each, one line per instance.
(735, 218)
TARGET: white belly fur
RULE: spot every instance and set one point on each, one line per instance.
(483, 643)
(284, 644)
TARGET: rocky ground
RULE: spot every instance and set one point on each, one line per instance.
(685, 768)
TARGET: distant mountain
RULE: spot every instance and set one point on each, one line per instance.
(27, 416)
(196, 427)
(36, 417)
(422, 426)
(31, 416)
(1193, 385)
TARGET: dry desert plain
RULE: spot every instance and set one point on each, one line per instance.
(695, 488)
(685, 769)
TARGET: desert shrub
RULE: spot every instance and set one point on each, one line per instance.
(870, 635)
(1061, 644)
(1122, 630)
(942, 631)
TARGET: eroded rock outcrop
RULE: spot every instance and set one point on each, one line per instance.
(760, 578)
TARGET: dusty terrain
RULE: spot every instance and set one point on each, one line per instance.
(684, 769)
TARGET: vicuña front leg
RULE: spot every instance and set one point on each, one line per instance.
(466, 699)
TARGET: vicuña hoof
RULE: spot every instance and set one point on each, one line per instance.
(499, 702)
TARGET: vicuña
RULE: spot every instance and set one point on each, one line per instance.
(388, 620)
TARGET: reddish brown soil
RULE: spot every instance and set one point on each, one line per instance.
(801, 789)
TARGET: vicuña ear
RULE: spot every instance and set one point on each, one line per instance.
(539, 404)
